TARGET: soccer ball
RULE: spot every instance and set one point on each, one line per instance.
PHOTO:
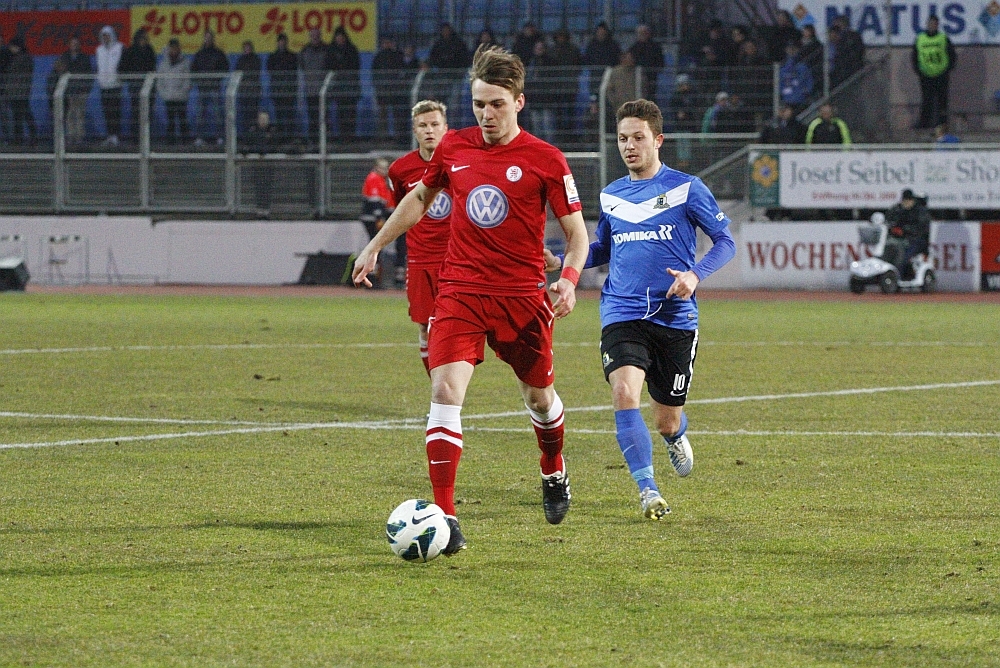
(417, 530)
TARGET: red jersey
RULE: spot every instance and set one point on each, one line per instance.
(427, 241)
(376, 188)
(498, 216)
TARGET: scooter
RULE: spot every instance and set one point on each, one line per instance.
(876, 271)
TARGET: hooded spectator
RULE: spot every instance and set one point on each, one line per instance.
(250, 88)
(109, 54)
(75, 62)
(602, 52)
(173, 82)
(210, 62)
(346, 87)
(137, 60)
(524, 42)
(282, 66)
(649, 56)
(314, 61)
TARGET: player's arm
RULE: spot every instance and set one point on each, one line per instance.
(599, 253)
(409, 212)
(704, 212)
(577, 248)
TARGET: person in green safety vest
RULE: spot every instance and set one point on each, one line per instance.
(828, 128)
(933, 59)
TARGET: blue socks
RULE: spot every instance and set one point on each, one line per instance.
(637, 446)
(680, 432)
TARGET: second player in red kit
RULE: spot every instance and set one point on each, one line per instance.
(492, 284)
(427, 241)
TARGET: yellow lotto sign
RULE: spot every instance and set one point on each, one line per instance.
(259, 23)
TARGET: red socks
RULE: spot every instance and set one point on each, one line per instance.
(549, 430)
(444, 449)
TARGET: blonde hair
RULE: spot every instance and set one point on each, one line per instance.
(498, 67)
(427, 106)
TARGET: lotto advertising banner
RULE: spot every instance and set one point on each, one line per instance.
(898, 23)
(260, 23)
(952, 179)
(48, 33)
(818, 256)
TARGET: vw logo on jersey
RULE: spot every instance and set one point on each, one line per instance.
(487, 206)
(440, 208)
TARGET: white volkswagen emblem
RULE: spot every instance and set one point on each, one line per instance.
(487, 206)
(440, 208)
(514, 173)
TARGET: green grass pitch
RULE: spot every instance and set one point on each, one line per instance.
(232, 512)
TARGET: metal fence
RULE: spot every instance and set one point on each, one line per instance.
(172, 143)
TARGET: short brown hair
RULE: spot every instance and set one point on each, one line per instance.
(644, 110)
(498, 67)
(427, 106)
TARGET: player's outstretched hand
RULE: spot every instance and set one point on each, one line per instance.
(684, 284)
(364, 264)
(552, 263)
(565, 293)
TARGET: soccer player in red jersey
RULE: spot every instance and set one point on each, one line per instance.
(427, 241)
(491, 287)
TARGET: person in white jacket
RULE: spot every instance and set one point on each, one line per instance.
(173, 83)
(109, 52)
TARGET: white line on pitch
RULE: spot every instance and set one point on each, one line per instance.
(112, 418)
(560, 344)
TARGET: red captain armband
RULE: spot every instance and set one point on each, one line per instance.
(571, 275)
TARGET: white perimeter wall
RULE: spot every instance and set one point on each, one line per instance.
(98, 249)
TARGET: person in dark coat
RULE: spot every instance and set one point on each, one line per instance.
(540, 86)
(524, 42)
(345, 61)
(812, 54)
(721, 44)
(5, 58)
(780, 34)
(75, 61)
(846, 51)
(18, 87)
(209, 60)
(567, 61)
(314, 62)
(649, 56)
(260, 140)
(451, 57)
(784, 128)
(248, 100)
(283, 69)
(602, 52)
(391, 93)
(138, 59)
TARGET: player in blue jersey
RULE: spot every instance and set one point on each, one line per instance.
(649, 314)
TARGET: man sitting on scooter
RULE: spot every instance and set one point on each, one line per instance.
(909, 232)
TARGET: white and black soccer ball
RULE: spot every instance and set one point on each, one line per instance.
(417, 530)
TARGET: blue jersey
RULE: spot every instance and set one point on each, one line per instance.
(647, 226)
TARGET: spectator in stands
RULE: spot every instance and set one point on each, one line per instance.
(602, 52)
(391, 93)
(486, 39)
(736, 117)
(622, 88)
(5, 58)
(260, 142)
(846, 51)
(812, 54)
(449, 54)
(346, 86)
(18, 87)
(524, 42)
(209, 60)
(649, 56)
(795, 79)
(683, 103)
(109, 54)
(784, 128)
(51, 83)
(283, 68)
(314, 61)
(944, 136)
(721, 46)
(248, 100)
(754, 80)
(828, 128)
(567, 60)
(540, 85)
(780, 34)
(738, 35)
(714, 117)
(173, 82)
(76, 62)
(138, 59)
(933, 59)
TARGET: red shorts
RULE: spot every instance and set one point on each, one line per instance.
(518, 329)
(421, 291)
